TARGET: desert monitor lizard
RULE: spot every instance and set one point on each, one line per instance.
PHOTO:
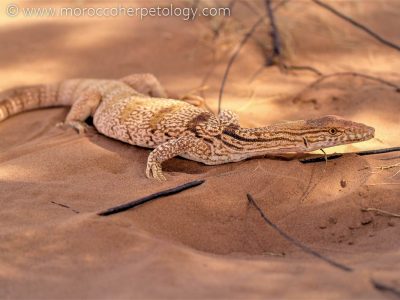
(136, 110)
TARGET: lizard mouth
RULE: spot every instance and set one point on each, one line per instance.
(364, 134)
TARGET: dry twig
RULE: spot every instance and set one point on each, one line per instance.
(385, 288)
(137, 202)
(355, 74)
(378, 151)
(381, 168)
(65, 206)
(296, 242)
(302, 68)
(357, 24)
(337, 155)
(320, 158)
(276, 56)
(233, 58)
(274, 33)
(276, 53)
(381, 211)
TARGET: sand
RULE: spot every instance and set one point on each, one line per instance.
(207, 242)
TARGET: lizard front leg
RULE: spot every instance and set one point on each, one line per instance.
(166, 151)
(84, 107)
(228, 118)
(146, 84)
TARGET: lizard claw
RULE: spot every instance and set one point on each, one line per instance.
(80, 127)
(154, 171)
(60, 125)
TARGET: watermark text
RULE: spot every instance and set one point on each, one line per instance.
(186, 13)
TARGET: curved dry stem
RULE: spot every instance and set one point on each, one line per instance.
(233, 58)
(355, 74)
(358, 25)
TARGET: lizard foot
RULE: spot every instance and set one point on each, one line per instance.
(154, 171)
(194, 100)
(80, 127)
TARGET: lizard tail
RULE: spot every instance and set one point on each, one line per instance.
(22, 99)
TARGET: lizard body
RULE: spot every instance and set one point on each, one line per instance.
(136, 110)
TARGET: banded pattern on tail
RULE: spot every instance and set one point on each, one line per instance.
(22, 99)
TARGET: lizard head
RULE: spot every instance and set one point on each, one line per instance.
(332, 131)
(295, 136)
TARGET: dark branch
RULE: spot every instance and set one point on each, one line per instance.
(275, 58)
(385, 288)
(65, 206)
(285, 67)
(359, 25)
(324, 77)
(233, 57)
(274, 33)
(361, 153)
(320, 158)
(378, 151)
(137, 202)
(296, 242)
(302, 68)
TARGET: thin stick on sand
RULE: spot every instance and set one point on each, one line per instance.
(382, 287)
(233, 58)
(274, 34)
(388, 166)
(358, 25)
(296, 242)
(302, 68)
(297, 97)
(385, 288)
(381, 211)
(175, 190)
(361, 153)
(378, 151)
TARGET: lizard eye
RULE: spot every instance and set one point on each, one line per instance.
(332, 131)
